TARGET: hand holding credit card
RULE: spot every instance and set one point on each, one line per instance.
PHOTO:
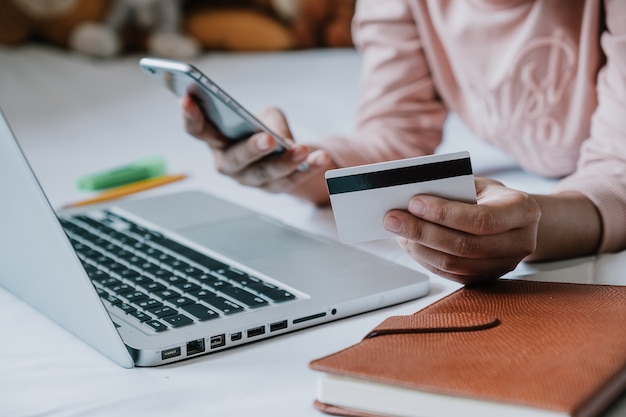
(360, 196)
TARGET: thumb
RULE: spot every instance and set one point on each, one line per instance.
(275, 119)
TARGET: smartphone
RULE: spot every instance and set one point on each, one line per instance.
(229, 117)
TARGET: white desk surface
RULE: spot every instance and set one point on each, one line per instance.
(74, 115)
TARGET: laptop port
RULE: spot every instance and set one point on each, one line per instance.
(235, 336)
(170, 353)
(218, 341)
(196, 346)
(256, 331)
(279, 325)
(307, 318)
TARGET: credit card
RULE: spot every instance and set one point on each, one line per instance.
(360, 196)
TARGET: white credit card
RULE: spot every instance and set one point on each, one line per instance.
(360, 196)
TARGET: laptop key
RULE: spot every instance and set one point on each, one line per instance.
(173, 279)
(121, 289)
(148, 267)
(110, 282)
(126, 308)
(152, 286)
(246, 297)
(163, 311)
(162, 274)
(200, 312)
(189, 253)
(206, 278)
(98, 275)
(156, 325)
(224, 305)
(239, 277)
(140, 315)
(262, 287)
(188, 287)
(116, 267)
(192, 272)
(129, 274)
(110, 298)
(167, 294)
(136, 296)
(178, 320)
(180, 301)
(127, 257)
(165, 259)
(219, 284)
(139, 279)
(278, 296)
(176, 264)
(148, 303)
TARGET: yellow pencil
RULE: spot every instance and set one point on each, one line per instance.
(125, 190)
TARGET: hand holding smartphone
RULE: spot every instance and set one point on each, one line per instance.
(230, 118)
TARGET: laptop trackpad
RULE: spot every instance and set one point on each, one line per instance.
(251, 238)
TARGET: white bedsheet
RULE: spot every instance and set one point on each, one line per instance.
(75, 115)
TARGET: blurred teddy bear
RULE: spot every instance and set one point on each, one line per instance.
(160, 21)
(51, 21)
(269, 25)
(177, 29)
(320, 23)
(239, 25)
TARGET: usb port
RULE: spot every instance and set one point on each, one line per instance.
(196, 346)
(170, 353)
(256, 331)
(279, 325)
(218, 341)
(235, 336)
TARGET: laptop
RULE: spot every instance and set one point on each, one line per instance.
(151, 281)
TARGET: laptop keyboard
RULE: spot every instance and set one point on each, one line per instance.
(159, 282)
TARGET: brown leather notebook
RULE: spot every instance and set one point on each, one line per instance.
(508, 348)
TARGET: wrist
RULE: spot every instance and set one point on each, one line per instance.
(570, 226)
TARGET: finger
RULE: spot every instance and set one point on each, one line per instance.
(508, 210)
(243, 159)
(459, 269)
(242, 154)
(273, 171)
(513, 243)
(275, 119)
(317, 162)
(197, 126)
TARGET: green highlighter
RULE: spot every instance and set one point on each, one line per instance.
(142, 169)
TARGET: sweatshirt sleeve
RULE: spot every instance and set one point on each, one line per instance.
(399, 114)
(601, 169)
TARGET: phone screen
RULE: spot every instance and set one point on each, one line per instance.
(228, 121)
(228, 116)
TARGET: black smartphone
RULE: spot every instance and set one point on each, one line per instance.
(228, 116)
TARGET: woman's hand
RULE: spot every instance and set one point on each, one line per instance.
(469, 243)
(252, 162)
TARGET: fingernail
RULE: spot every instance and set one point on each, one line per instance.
(263, 143)
(318, 158)
(393, 224)
(300, 153)
(417, 207)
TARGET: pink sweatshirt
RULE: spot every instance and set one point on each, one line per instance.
(544, 80)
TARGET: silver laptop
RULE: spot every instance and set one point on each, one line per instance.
(157, 280)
